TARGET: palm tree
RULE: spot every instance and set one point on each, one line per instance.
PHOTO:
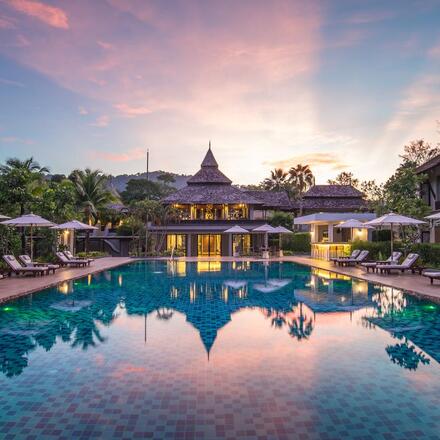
(92, 192)
(277, 180)
(301, 178)
(21, 181)
(23, 178)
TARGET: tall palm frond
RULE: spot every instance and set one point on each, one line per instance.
(276, 181)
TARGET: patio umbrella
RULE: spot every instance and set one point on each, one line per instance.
(29, 220)
(236, 230)
(354, 224)
(281, 230)
(391, 220)
(75, 225)
(266, 229)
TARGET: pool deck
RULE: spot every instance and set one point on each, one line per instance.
(15, 286)
(415, 284)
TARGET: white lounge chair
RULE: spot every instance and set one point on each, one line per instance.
(353, 261)
(407, 264)
(66, 262)
(354, 254)
(70, 256)
(17, 268)
(432, 274)
(26, 260)
(393, 259)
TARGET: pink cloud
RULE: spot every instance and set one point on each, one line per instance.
(131, 111)
(313, 160)
(101, 121)
(6, 23)
(133, 154)
(50, 15)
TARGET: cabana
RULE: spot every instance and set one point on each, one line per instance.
(328, 240)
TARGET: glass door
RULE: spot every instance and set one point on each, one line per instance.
(209, 245)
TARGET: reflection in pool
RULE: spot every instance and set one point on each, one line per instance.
(215, 349)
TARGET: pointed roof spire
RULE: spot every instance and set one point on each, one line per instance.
(209, 160)
(209, 172)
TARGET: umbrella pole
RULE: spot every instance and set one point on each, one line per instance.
(392, 239)
(32, 247)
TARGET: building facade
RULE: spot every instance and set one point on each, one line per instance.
(430, 193)
(331, 198)
(208, 206)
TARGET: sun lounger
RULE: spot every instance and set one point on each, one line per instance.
(353, 261)
(408, 264)
(432, 274)
(26, 260)
(393, 259)
(70, 256)
(17, 268)
(66, 262)
(354, 254)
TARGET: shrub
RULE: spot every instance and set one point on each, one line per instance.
(92, 254)
(429, 253)
(381, 235)
(297, 242)
(379, 250)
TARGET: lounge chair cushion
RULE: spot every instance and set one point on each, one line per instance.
(26, 260)
(17, 267)
(407, 263)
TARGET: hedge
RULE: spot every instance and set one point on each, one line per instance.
(429, 252)
(297, 242)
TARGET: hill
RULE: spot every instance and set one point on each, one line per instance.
(120, 181)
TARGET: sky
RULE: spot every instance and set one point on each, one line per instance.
(340, 85)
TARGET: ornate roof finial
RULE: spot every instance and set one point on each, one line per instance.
(209, 145)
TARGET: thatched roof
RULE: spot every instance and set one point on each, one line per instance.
(333, 198)
(333, 191)
(211, 194)
(272, 199)
(210, 186)
(209, 172)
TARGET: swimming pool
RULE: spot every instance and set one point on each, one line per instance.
(219, 350)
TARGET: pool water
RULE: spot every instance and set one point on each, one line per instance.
(219, 350)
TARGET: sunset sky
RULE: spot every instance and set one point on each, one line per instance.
(340, 85)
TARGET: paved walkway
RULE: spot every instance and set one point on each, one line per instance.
(14, 286)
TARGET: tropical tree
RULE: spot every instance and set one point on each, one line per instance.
(166, 178)
(277, 180)
(92, 192)
(20, 183)
(137, 190)
(401, 192)
(419, 152)
(344, 178)
(301, 179)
